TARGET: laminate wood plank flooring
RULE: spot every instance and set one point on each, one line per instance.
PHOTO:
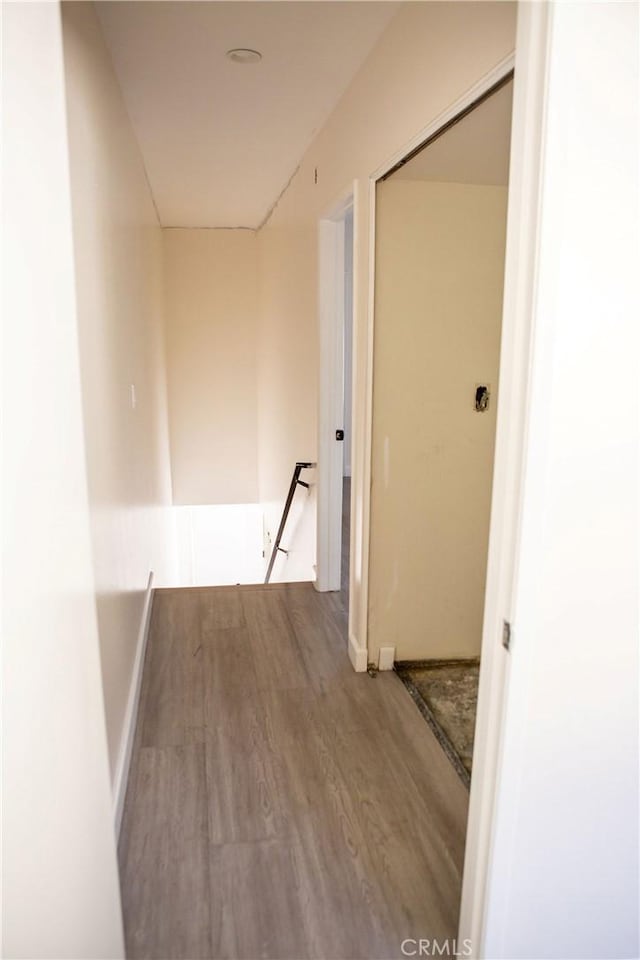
(280, 805)
(166, 874)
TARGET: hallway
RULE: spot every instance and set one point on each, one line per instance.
(279, 804)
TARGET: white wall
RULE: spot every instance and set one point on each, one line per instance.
(211, 284)
(564, 872)
(118, 256)
(59, 872)
(439, 280)
(220, 545)
(430, 54)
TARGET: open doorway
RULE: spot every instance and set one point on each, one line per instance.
(441, 217)
(335, 401)
(347, 394)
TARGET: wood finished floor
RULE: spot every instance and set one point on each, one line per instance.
(280, 805)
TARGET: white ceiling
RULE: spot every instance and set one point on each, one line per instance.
(475, 150)
(221, 140)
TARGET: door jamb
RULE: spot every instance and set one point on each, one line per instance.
(516, 359)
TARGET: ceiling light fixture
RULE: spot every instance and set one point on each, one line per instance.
(244, 55)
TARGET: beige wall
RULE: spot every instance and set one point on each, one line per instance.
(118, 257)
(211, 279)
(60, 895)
(439, 280)
(430, 54)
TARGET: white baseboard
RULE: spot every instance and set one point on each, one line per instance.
(357, 655)
(129, 727)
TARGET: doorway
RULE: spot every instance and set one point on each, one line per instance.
(441, 218)
(347, 401)
(335, 440)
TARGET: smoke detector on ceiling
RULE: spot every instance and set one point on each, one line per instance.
(244, 55)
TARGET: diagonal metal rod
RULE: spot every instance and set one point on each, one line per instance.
(295, 480)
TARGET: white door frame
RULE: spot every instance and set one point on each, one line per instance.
(331, 311)
(516, 359)
(361, 486)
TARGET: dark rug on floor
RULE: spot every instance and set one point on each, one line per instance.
(446, 692)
